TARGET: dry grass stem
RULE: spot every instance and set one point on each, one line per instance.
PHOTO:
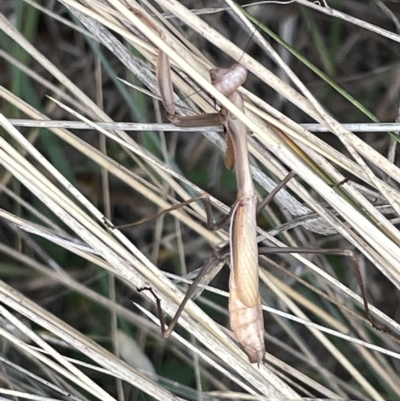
(67, 272)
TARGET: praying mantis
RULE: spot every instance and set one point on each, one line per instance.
(245, 309)
(244, 298)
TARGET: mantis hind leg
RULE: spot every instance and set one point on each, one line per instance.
(334, 251)
(341, 252)
(215, 258)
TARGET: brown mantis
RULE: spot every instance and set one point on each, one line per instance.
(245, 309)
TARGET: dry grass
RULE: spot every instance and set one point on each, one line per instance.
(71, 311)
